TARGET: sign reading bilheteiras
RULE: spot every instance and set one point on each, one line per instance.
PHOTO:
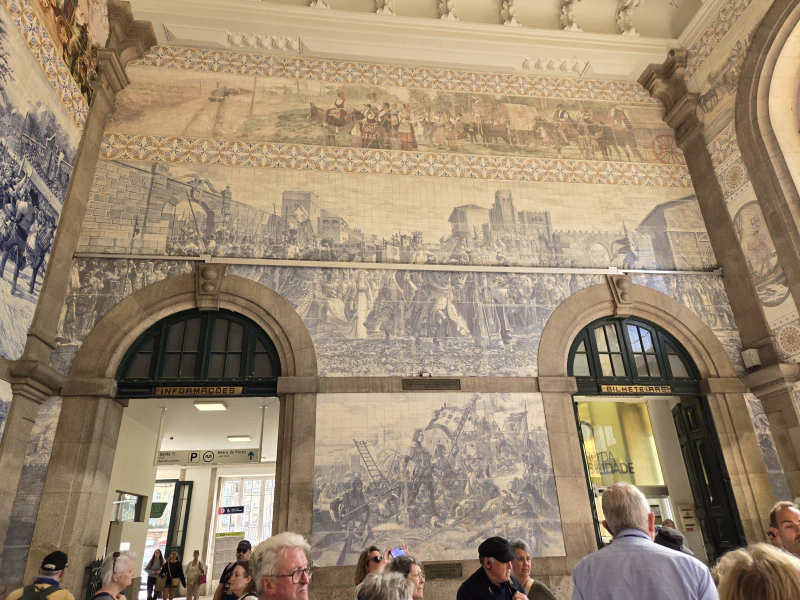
(431, 384)
(636, 389)
(199, 390)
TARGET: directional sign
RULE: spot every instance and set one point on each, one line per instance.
(209, 457)
(230, 510)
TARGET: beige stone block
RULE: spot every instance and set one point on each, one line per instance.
(573, 500)
(566, 454)
(559, 413)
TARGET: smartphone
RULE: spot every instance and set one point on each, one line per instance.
(396, 552)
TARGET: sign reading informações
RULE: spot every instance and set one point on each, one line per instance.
(199, 390)
(244, 456)
(636, 389)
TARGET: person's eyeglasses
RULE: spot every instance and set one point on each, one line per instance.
(420, 576)
(297, 574)
(116, 555)
(376, 559)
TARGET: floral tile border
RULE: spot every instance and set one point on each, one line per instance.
(53, 66)
(241, 63)
(724, 146)
(716, 30)
(118, 146)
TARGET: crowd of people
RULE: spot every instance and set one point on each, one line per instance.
(642, 562)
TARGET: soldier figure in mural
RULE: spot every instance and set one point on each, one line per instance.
(563, 120)
(44, 239)
(419, 475)
(335, 117)
(351, 510)
(25, 211)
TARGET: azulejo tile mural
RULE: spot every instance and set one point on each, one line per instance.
(402, 116)
(445, 471)
(716, 30)
(260, 65)
(49, 59)
(5, 404)
(37, 149)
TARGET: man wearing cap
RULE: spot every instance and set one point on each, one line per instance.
(47, 584)
(494, 575)
(243, 552)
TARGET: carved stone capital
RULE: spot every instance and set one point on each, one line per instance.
(34, 379)
(208, 284)
(620, 286)
(101, 387)
(770, 381)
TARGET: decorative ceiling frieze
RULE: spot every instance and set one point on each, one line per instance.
(566, 16)
(624, 17)
(384, 7)
(265, 42)
(447, 10)
(508, 14)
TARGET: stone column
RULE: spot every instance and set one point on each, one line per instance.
(666, 83)
(76, 486)
(569, 470)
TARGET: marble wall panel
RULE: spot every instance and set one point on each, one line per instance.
(777, 478)
(38, 141)
(446, 470)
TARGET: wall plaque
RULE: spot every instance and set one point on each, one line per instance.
(449, 570)
(429, 383)
(197, 390)
(636, 389)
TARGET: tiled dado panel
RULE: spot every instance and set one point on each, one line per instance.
(38, 141)
(455, 468)
(375, 322)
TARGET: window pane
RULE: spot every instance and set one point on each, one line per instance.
(188, 364)
(580, 366)
(171, 365)
(217, 365)
(148, 347)
(176, 337)
(220, 335)
(641, 367)
(600, 339)
(192, 336)
(232, 368)
(633, 335)
(647, 342)
(263, 365)
(653, 364)
(235, 340)
(140, 367)
(619, 366)
(260, 346)
(677, 367)
(605, 365)
(611, 334)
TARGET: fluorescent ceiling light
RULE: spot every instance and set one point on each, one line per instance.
(239, 438)
(210, 405)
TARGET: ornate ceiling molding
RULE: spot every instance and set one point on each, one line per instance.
(566, 16)
(447, 10)
(384, 7)
(265, 42)
(624, 17)
(573, 66)
(508, 14)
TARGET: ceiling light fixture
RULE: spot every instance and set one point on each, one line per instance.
(210, 405)
(239, 438)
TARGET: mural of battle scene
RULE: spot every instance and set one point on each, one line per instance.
(77, 29)
(442, 471)
(307, 111)
(29, 492)
(775, 473)
(188, 210)
(375, 322)
(37, 149)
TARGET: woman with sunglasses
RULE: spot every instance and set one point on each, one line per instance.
(116, 573)
(173, 571)
(243, 586)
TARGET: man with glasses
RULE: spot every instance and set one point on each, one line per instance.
(281, 567)
(493, 579)
(243, 552)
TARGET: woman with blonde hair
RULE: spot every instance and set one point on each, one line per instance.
(759, 572)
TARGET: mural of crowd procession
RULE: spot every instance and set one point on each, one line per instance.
(442, 469)
(154, 208)
(302, 111)
(37, 149)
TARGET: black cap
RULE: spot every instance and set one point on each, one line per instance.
(673, 539)
(55, 561)
(244, 546)
(497, 548)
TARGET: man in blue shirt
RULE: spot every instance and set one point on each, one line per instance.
(633, 566)
(493, 580)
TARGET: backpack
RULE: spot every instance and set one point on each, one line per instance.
(29, 592)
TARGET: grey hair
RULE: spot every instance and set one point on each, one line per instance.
(625, 507)
(402, 565)
(268, 554)
(385, 586)
(109, 568)
(521, 545)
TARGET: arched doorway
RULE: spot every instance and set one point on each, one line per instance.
(629, 372)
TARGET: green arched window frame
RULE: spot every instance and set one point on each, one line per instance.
(200, 348)
(619, 351)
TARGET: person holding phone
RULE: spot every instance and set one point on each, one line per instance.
(372, 561)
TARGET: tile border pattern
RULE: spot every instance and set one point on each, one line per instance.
(119, 146)
(51, 63)
(717, 29)
(261, 65)
(724, 146)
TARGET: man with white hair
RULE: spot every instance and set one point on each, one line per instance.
(47, 584)
(281, 567)
(633, 566)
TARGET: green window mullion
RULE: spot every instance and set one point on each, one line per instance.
(206, 331)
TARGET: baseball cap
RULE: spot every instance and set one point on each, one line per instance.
(673, 539)
(55, 561)
(244, 546)
(497, 548)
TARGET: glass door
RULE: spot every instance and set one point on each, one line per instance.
(176, 538)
